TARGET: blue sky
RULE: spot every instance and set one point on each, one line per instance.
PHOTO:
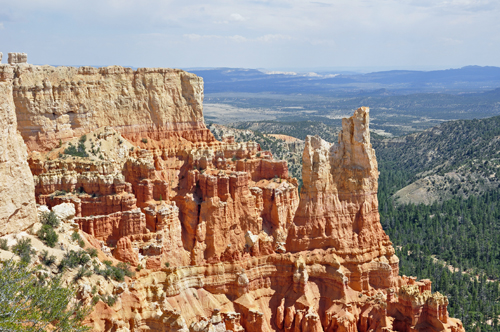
(342, 34)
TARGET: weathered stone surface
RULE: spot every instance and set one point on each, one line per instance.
(17, 194)
(125, 252)
(64, 211)
(6, 75)
(148, 103)
(342, 274)
(217, 226)
(17, 58)
(338, 206)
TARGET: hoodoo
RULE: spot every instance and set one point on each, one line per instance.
(217, 231)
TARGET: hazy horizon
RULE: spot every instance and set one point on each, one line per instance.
(282, 34)
(298, 70)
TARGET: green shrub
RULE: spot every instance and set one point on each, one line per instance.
(46, 259)
(3, 244)
(27, 304)
(92, 252)
(144, 140)
(75, 236)
(48, 235)
(50, 218)
(77, 151)
(23, 249)
(109, 300)
(74, 258)
(82, 272)
(95, 299)
(117, 272)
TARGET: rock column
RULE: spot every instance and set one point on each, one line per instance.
(17, 189)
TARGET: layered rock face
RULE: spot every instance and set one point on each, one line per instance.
(338, 205)
(55, 103)
(334, 271)
(17, 194)
(216, 229)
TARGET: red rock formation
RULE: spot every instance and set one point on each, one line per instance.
(338, 206)
(218, 226)
(125, 252)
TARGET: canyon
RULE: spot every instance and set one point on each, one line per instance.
(220, 235)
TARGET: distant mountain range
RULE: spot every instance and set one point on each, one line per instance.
(466, 79)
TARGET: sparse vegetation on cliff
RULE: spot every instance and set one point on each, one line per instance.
(117, 272)
(47, 233)
(28, 303)
(77, 151)
(24, 250)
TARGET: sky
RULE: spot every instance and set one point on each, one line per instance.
(280, 35)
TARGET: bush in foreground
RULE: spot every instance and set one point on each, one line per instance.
(24, 250)
(29, 304)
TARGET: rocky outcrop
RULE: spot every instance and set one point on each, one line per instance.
(338, 206)
(125, 252)
(17, 58)
(335, 269)
(216, 229)
(17, 196)
(54, 103)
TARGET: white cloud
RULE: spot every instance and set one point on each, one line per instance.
(196, 37)
(237, 17)
(255, 33)
(240, 39)
(273, 38)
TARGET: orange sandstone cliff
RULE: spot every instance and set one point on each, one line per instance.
(219, 235)
(55, 103)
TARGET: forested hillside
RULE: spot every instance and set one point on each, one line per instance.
(455, 243)
(453, 240)
(458, 158)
